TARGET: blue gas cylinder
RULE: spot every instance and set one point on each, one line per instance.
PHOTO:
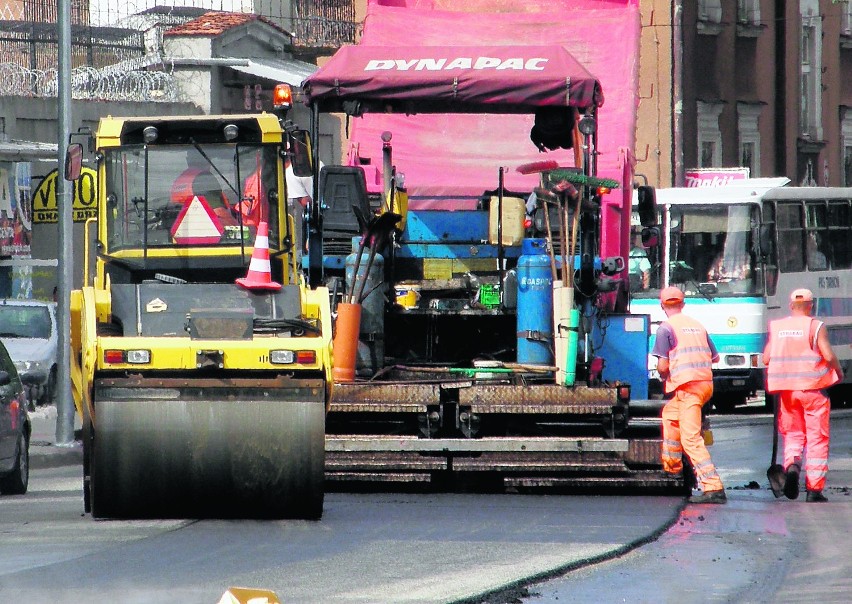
(535, 304)
(371, 344)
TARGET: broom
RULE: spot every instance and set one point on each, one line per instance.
(576, 178)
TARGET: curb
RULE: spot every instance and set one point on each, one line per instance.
(44, 455)
(44, 452)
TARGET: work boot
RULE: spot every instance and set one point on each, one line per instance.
(717, 496)
(816, 497)
(791, 484)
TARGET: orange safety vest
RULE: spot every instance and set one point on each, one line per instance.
(183, 192)
(254, 207)
(691, 359)
(182, 189)
(795, 363)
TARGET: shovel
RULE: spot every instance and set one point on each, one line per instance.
(377, 235)
(775, 473)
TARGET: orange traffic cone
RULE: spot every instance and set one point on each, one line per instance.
(259, 273)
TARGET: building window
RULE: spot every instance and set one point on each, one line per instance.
(749, 133)
(846, 148)
(748, 12)
(709, 135)
(709, 17)
(846, 19)
(710, 11)
(747, 153)
(847, 165)
(708, 151)
(811, 72)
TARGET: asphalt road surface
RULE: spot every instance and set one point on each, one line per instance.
(450, 547)
(753, 549)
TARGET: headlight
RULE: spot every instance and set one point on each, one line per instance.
(281, 357)
(139, 357)
(735, 360)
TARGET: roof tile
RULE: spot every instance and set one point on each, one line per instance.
(215, 23)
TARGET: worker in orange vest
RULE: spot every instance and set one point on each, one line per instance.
(254, 206)
(200, 182)
(800, 365)
(685, 354)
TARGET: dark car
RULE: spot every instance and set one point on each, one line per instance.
(15, 430)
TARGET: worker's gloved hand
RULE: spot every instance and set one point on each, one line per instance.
(545, 195)
(566, 188)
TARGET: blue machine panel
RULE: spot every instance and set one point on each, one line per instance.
(624, 350)
(437, 226)
(442, 234)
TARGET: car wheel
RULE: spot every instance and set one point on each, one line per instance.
(16, 481)
(49, 395)
(88, 443)
(30, 392)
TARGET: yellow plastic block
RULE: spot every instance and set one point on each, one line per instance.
(247, 595)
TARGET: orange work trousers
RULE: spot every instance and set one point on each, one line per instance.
(682, 434)
(803, 423)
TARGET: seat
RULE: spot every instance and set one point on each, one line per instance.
(342, 188)
(635, 282)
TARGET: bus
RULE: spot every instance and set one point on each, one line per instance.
(708, 243)
(806, 237)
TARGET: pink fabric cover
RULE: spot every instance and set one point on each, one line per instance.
(451, 157)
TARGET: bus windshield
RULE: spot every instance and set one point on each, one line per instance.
(711, 250)
(187, 195)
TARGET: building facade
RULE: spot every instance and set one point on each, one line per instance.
(759, 84)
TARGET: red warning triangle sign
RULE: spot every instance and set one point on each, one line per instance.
(197, 224)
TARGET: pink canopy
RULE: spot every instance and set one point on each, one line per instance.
(448, 79)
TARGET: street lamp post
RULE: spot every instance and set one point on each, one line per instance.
(64, 201)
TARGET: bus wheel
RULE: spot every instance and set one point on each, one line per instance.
(727, 402)
(840, 396)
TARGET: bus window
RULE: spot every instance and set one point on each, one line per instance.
(816, 241)
(791, 246)
(817, 260)
(769, 249)
(713, 245)
(839, 234)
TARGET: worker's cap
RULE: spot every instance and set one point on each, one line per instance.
(802, 295)
(671, 295)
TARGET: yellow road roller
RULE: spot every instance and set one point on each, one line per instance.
(200, 359)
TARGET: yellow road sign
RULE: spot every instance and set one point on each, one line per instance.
(85, 203)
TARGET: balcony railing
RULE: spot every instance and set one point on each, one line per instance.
(318, 32)
(323, 24)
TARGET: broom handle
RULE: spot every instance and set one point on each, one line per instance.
(575, 223)
(774, 428)
(366, 272)
(563, 236)
(549, 239)
(357, 266)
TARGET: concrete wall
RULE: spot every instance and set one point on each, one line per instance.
(194, 83)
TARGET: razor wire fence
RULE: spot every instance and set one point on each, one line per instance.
(116, 45)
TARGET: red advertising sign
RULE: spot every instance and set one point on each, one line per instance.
(15, 209)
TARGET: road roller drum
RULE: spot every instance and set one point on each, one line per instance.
(172, 448)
